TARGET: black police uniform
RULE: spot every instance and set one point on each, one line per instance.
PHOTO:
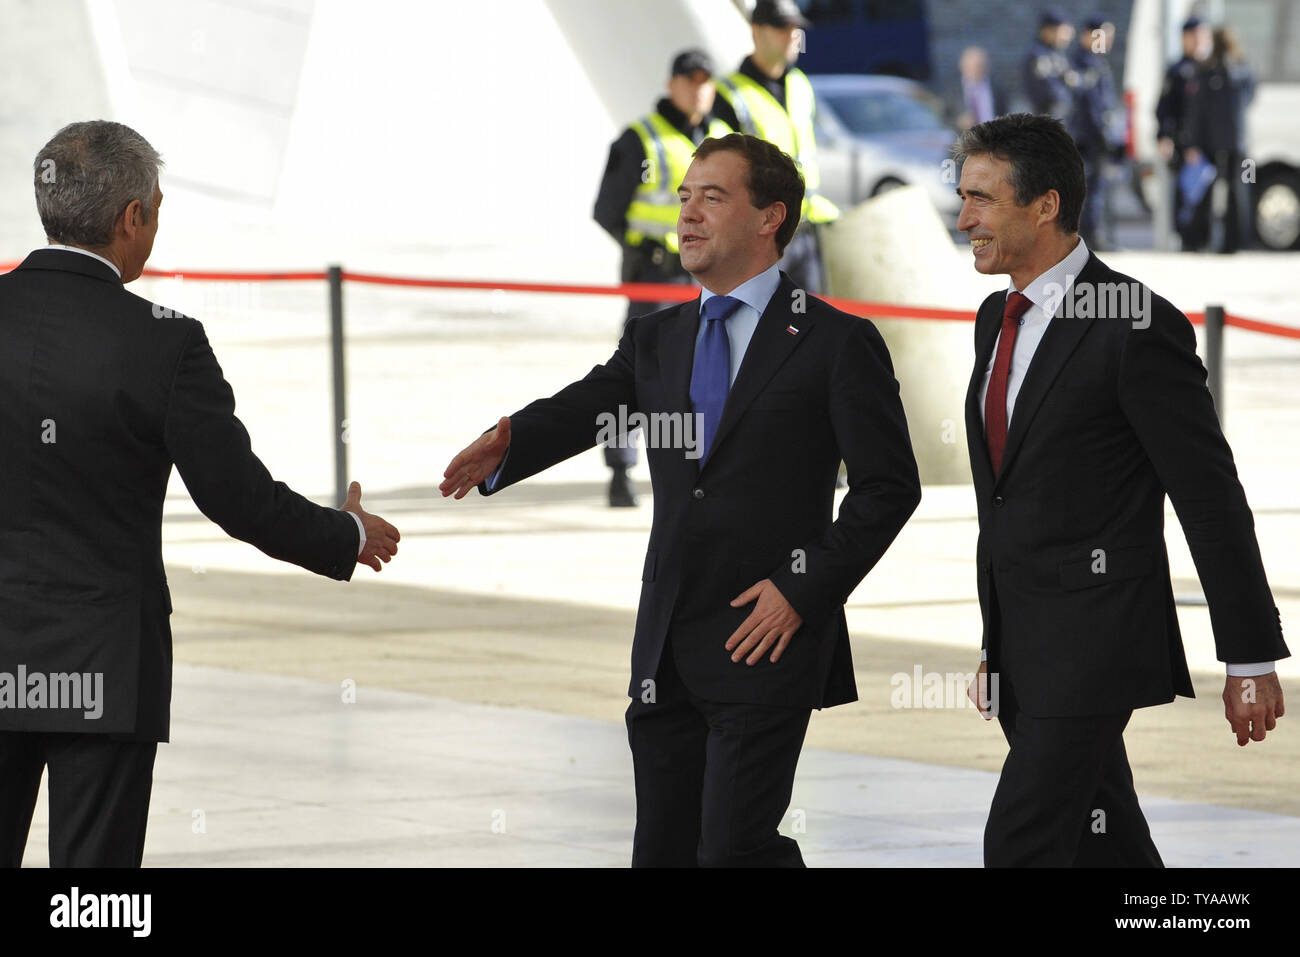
(1048, 80)
(1097, 125)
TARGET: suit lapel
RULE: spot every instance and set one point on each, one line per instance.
(770, 346)
(677, 355)
(1059, 342)
(987, 323)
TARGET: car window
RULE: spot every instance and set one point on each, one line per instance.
(885, 111)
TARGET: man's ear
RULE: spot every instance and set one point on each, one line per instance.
(131, 220)
(1049, 207)
(773, 216)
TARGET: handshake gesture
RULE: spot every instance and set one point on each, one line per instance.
(477, 461)
(381, 538)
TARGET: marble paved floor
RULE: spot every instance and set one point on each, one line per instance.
(272, 771)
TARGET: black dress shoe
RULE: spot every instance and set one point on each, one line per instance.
(621, 493)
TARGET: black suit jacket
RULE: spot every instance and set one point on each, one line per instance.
(99, 396)
(761, 504)
(1073, 575)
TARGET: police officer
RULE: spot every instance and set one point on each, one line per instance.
(1172, 117)
(771, 98)
(637, 203)
(1098, 125)
(1048, 78)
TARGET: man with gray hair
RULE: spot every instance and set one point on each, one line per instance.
(101, 393)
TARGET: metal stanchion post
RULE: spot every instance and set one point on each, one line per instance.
(1214, 355)
(340, 420)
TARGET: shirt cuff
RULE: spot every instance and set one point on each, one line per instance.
(361, 532)
(1252, 670)
(491, 480)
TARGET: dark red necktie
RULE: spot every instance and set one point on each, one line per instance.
(995, 402)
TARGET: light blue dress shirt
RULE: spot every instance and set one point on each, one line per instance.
(754, 295)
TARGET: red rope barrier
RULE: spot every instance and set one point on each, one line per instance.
(1259, 325)
(641, 291)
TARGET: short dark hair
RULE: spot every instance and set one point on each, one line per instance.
(1042, 156)
(773, 177)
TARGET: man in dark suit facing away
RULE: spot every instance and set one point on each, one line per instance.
(101, 393)
(752, 394)
(1086, 407)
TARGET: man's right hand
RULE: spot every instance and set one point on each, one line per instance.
(477, 461)
(381, 537)
(978, 692)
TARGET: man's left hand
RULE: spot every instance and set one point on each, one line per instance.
(772, 622)
(1252, 706)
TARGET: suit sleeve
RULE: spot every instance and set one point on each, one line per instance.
(232, 487)
(549, 431)
(1163, 395)
(884, 487)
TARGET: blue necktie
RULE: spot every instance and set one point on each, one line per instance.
(711, 374)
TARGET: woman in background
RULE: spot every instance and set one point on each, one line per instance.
(1217, 130)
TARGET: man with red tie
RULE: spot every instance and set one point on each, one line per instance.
(1086, 407)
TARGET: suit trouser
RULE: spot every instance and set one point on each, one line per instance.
(99, 791)
(1065, 797)
(713, 780)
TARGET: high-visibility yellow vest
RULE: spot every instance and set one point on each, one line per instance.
(652, 214)
(789, 129)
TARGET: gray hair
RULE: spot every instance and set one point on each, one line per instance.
(87, 174)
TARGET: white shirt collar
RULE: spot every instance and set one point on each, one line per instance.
(1050, 288)
(755, 292)
(87, 252)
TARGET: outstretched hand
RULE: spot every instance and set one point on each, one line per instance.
(477, 461)
(381, 537)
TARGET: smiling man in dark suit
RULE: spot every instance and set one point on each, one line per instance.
(101, 393)
(1086, 407)
(741, 630)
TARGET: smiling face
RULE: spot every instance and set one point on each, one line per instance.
(724, 239)
(1005, 237)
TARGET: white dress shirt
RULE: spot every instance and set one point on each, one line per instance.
(361, 528)
(87, 252)
(1046, 292)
